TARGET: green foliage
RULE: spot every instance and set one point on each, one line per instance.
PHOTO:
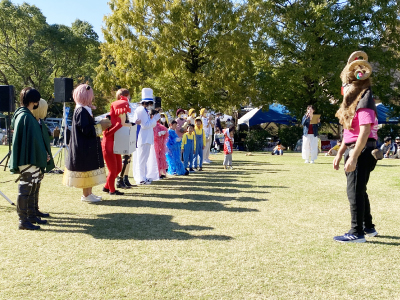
(289, 135)
(256, 140)
(192, 53)
(33, 53)
(391, 130)
(309, 42)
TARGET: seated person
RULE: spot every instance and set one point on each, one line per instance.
(278, 150)
(386, 146)
(333, 151)
(396, 148)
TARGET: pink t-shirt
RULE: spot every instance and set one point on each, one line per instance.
(363, 116)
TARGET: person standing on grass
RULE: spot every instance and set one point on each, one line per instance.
(29, 157)
(358, 116)
(56, 136)
(84, 165)
(310, 137)
(229, 133)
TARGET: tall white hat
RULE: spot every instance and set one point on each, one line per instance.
(147, 95)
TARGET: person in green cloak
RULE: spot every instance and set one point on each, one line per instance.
(29, 157)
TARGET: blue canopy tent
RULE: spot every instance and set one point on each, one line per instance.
(277, 114)
(383, 115)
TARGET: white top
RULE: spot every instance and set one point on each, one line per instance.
(206, 127)
(146, 133)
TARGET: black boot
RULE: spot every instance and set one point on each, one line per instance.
(121, 184)
(31, 207)
(126, 181)
(39, 213)
(22, 208)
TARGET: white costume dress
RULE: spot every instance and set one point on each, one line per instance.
(144, 166)
(208, 130)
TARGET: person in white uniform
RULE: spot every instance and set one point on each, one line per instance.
(143, 171)
(310, 136)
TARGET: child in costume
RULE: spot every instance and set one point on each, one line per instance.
(191, 118)
(29, 157)
(189, 148)
(200, 143)
(219, 139)
(228, 146)
(84, 166)
(123, 180)
(160, 147)
(175, 165)
(278, 150)
(118, 112)
(40, 113)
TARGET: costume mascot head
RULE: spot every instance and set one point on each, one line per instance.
(356, 88)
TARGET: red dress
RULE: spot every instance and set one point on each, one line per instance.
(160, 147)
(228, 143)
(113, 161)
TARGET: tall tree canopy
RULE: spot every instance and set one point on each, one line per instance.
(33, 52)
(308, 43)
(193, 53)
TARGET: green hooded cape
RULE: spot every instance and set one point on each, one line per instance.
(28, 146)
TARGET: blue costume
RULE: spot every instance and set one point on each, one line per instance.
(188, 147)
(175, 165)
(200, 142)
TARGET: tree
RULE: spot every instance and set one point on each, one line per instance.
(309, 41)
(33, 53)
(192, 53)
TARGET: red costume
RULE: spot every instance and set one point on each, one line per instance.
(228, 143)
(113, 161)
(160, 147)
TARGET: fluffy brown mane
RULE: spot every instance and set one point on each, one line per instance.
(352, 95)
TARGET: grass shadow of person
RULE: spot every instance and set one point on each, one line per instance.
(126, 226)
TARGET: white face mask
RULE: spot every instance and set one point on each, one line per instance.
(162, 120)
(184, 116)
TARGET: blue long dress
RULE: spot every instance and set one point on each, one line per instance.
(175, 165)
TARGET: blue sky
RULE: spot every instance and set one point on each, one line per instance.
(67, 11)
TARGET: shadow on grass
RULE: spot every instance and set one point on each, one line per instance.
(124, 226)
(201, 203)
(387, 166)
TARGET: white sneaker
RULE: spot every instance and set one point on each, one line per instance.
(311, 162)
(206, 162)
(306, 161)
(98, 197)
(90, 199)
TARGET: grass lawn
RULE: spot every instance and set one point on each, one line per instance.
(261, 231)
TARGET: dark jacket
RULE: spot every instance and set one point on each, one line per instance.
(28, 146)
(84, 153)
(306, 122)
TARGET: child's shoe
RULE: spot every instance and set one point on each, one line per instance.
(200, 169)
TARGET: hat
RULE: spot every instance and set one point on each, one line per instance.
(202, 111)
(192, 110)
(397, 138)
(180, 111)
(147, 95)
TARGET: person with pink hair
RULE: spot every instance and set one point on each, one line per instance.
(160, 146)
(84, 166)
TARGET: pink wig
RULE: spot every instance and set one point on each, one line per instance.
(83, 95)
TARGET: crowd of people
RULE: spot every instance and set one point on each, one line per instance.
(180, 146)
(163, 147)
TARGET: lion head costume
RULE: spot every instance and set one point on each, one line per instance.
(356, 88)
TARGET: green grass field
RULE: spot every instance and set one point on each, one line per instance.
(261, 231)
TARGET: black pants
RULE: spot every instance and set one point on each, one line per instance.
(357, 191)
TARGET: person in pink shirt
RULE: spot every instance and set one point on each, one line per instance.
(358, 116)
